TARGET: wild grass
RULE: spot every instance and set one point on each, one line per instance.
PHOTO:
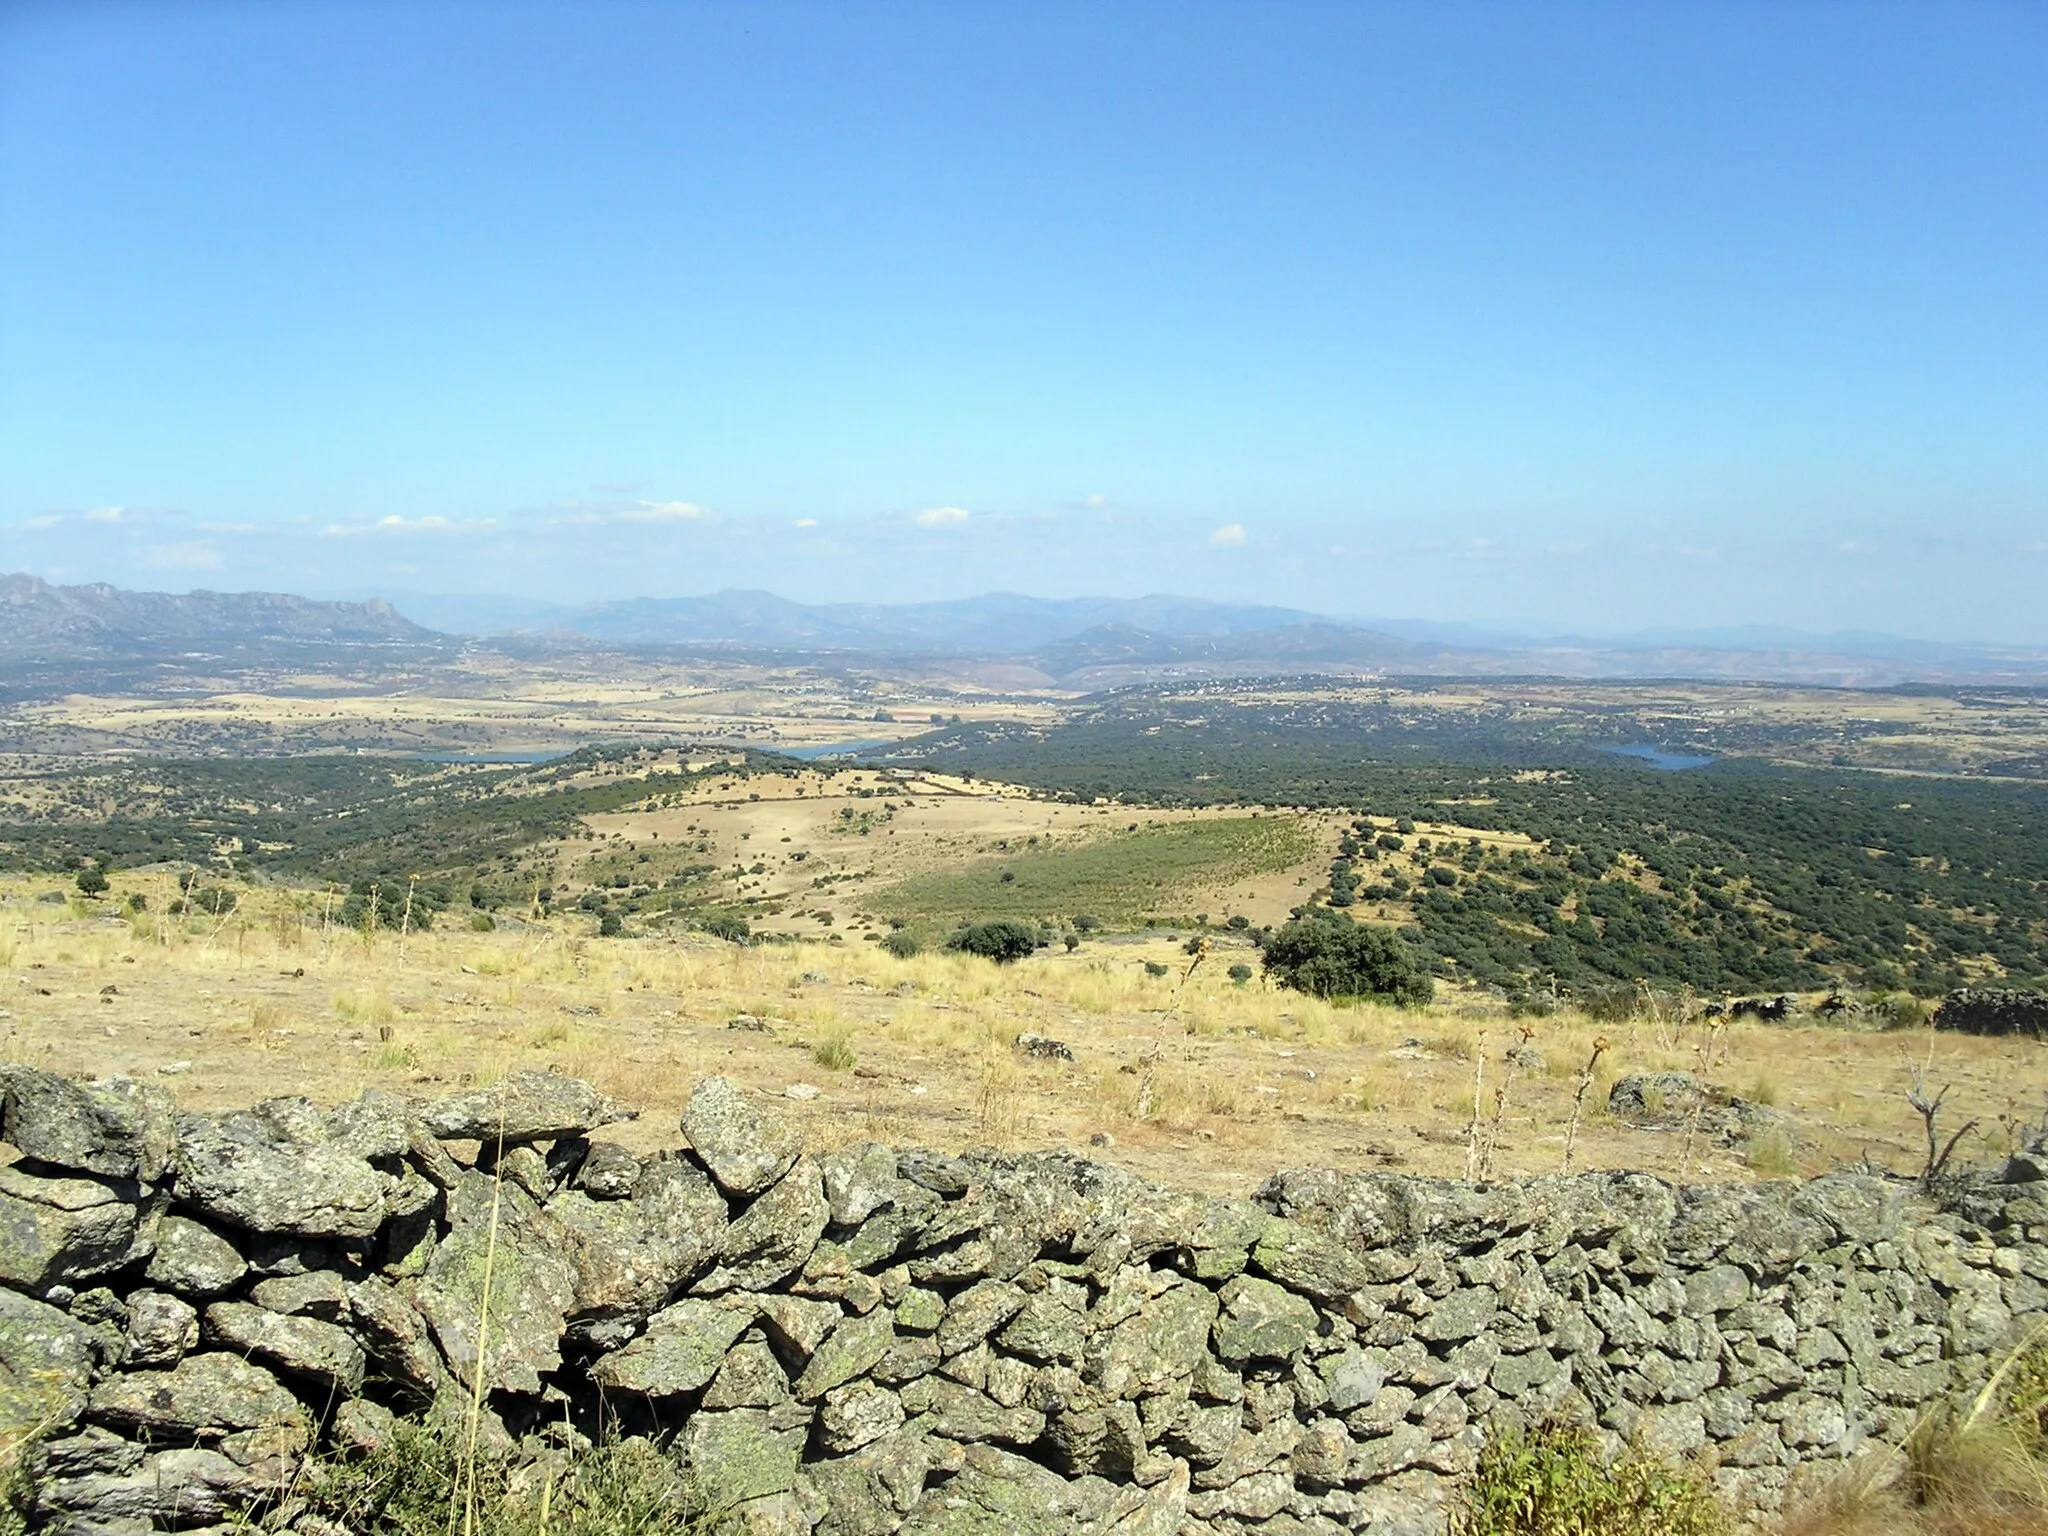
(408, 1485)
(1552, 1481)
(1976, 1464)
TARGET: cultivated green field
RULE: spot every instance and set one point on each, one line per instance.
(1121, 880)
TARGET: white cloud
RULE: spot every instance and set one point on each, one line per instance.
(1098, 500)
(106, 515)
(644, 512)
(188, 556)
(1229, 536)
(942, 517)
(396, 524)
(806, 522)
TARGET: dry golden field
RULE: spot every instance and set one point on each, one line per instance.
(1199, 1081)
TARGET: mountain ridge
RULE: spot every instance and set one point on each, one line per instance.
(40, 620)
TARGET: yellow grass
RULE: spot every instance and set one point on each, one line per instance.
(1216, 1091)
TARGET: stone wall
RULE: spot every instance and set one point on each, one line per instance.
(867, 1340)
(1994, 1011)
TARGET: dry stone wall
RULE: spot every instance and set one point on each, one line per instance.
(865, 1340)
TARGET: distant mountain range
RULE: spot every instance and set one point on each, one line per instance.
(1092, 642)
(39, 621)
(1083, 643)
(997, 624)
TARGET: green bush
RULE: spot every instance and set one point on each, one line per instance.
(1001, 941)
(92, 881)
(1240, 973)
(1550, 1482)
(723, 925)
(834, 1053)
(1328, 955)
(610, 925)
(1154, 968)
(902, 944)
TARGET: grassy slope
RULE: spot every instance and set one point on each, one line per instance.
(1120, 880)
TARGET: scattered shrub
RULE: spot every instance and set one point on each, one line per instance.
(610, 925)
(724, 925)
(902, 944)
(92, 880)
(1326, 954)
(1002, 941)
(1154, 968)
(1240, 973)
(834, 1053)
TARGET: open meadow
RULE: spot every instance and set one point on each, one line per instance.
(1189, 1078)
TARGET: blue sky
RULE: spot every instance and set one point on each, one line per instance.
(1571, 315)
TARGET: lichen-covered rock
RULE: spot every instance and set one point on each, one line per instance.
(376, 1127)
(773, 1237)
(1261, 1321)
(503, 1260)
(682, 1349)
(46, 1364)
(1163, 1343)
(194, 1260)
(959, 1412)
(115, 1127)
(315, 1352)
(320, 1293)
(209, 1394)
(1305, 1260)
(859, 1180)
(745, 1147)
(607, 1172)
(749, 1377)
(632, 1255)
(1463, 1314)
(162, 1329)
(241, 1170)
(174, 1489)
(739, 1455)
(996, 1494)
(525, 1106)
(977, 1312)
(856, 1415)
(852, 1349)
(56, 1231)
(394, 1335)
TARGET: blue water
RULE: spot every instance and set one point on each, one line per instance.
(490, 759)
(1660, 759)
(836, 749)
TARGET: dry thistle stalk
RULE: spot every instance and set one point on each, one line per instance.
(1478, 1090)
(1500, 1103)
(1704, 1053)
(1571, 1131)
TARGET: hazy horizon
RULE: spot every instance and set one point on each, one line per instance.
(1569, 318)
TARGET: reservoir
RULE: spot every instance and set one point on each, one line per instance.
(1660, 759)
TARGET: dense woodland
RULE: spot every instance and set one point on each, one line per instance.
(1734, 877)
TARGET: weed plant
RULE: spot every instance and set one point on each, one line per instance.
(408, 1485)
(1550, 1481)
